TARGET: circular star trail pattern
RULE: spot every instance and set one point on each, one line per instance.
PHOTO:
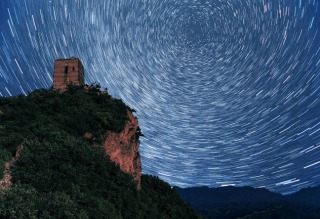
(227, 92)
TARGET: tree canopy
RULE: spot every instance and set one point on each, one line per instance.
(61, 174)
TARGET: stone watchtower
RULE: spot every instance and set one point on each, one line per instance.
(67, 72)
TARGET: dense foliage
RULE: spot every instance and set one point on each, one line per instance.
(61, 174)
(75, 111)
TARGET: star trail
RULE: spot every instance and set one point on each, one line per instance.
(227, 92)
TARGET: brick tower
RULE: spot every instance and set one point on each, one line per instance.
(66, 72)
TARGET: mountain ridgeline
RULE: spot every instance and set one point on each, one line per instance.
(252, 203)
(55, 163)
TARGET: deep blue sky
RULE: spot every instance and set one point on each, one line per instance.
(227, 92)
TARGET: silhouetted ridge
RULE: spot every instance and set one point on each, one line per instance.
(306, 196)
(251, 203)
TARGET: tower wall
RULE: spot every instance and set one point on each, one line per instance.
(66, 72)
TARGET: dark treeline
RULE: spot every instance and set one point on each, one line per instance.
(252, 203)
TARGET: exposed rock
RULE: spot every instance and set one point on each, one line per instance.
(123, 148)
(88, 135)
(6, 181)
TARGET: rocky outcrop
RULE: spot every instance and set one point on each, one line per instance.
(6, 180)
(123, 148)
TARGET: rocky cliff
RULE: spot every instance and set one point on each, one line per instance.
(63, 171)
(109, 116)
(123, 148)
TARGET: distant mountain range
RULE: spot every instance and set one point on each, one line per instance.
(248, 202)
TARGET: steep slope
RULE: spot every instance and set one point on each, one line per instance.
(123, 148)
(64, 169)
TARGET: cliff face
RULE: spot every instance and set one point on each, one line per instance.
(123, 148)
(56, 159)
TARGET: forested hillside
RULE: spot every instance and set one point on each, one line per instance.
(59, 173)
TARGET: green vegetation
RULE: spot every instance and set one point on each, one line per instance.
(76, 111)
(61, 174)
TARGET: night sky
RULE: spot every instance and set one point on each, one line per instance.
(227, 92)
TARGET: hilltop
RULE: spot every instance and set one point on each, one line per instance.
(53, 152)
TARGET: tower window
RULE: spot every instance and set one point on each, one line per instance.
(72, 68)
(66, 69)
